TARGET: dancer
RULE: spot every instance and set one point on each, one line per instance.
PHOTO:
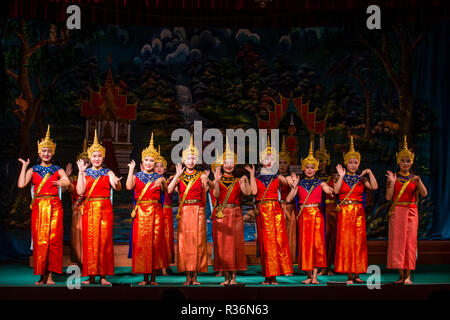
(148, 247)
(289, 209)
(402, 188)
(160, 167)
(330, 207)
(229, 246)
(46, 210)
(351, 242)
(271, 227)
(311, 224)
(97, 221)
(191, 186)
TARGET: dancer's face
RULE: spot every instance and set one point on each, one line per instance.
(46, 155)
(148, 163)
(159, 168)
(310, 170)
(96, 159)
(405, 164)
(283, 166)
(190, 162)
(352, 165)
(228, 166)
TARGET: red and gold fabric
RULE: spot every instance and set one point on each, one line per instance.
(290, 217)
(271, 228)
(229, 245)
(97, 225)
(311, 229)
(47, 223)
(148, 242)
(168, 227)
(330, 224)
(76, 226)
(403, 225)
(351, 242)
(191, 231)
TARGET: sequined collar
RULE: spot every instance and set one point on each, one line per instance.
(227, 181)
(266, 178)
(352, 179)
(146, 177)
(402, 179)
(91, 172)
(186, 177)
(42, 171)
(307, 184)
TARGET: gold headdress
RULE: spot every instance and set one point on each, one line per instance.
(229, 154)
(190, 150)
(284, 153)
(83, 154)
(351, 154)
(217, 163)
(160, 158)
(150, 151)
(322, 154)
(47, 142)
(405, 152)
(268, 150)
(95, 146)
(310, 158)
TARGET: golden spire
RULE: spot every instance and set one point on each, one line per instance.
(150, 151)
(83, 154)
(268, 150)
(160, 158)
(96, 146)
(352, 153)
(47, 142)
(310, 158)
(405, 152)
(229, 154)
(218, 162)
(285, 154)
(191, 150)
(322, 153)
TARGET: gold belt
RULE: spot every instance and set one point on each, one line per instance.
(311, 205)
(329, 201)
(230, 205)
(47, 196)
(166, 206)
(404, 203)
(98, 198)
(267, 201)
(150, 201)
(191, 201)
(349, 202)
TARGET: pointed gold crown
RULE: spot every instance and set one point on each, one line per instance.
(95, 146)
(268, 150)
(83, 154)
(218, 162)
(322, 153)
(150, 151)
(160, 158)
(229, 154)
(351, 154)
(47, 142)
(284, 153)
(190, 150)
(405, 152)
(310, 158)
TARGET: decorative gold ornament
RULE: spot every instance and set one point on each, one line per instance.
(83, 154)
(284, 153)
(47, 142)
(150, 151)
(160, 158)
(405, 152)
(96, 146)
(191, 150)
(322, 153)
(310, 158)
(351, 154)
(268, 151)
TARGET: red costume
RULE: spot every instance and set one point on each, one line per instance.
(168, 227)
(271, 227)
(290, 216)
(229, 245)
(311, 226)
(46, 222)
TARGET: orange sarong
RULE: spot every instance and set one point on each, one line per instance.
(229, 245)
(168, 233)
(149, 251)
(291, 227)
(47, 234)
(98, 253)
(273, 240)
(191, 239)
(311, 244)
(351, 242)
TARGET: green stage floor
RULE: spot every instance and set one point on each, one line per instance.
(18, 275)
